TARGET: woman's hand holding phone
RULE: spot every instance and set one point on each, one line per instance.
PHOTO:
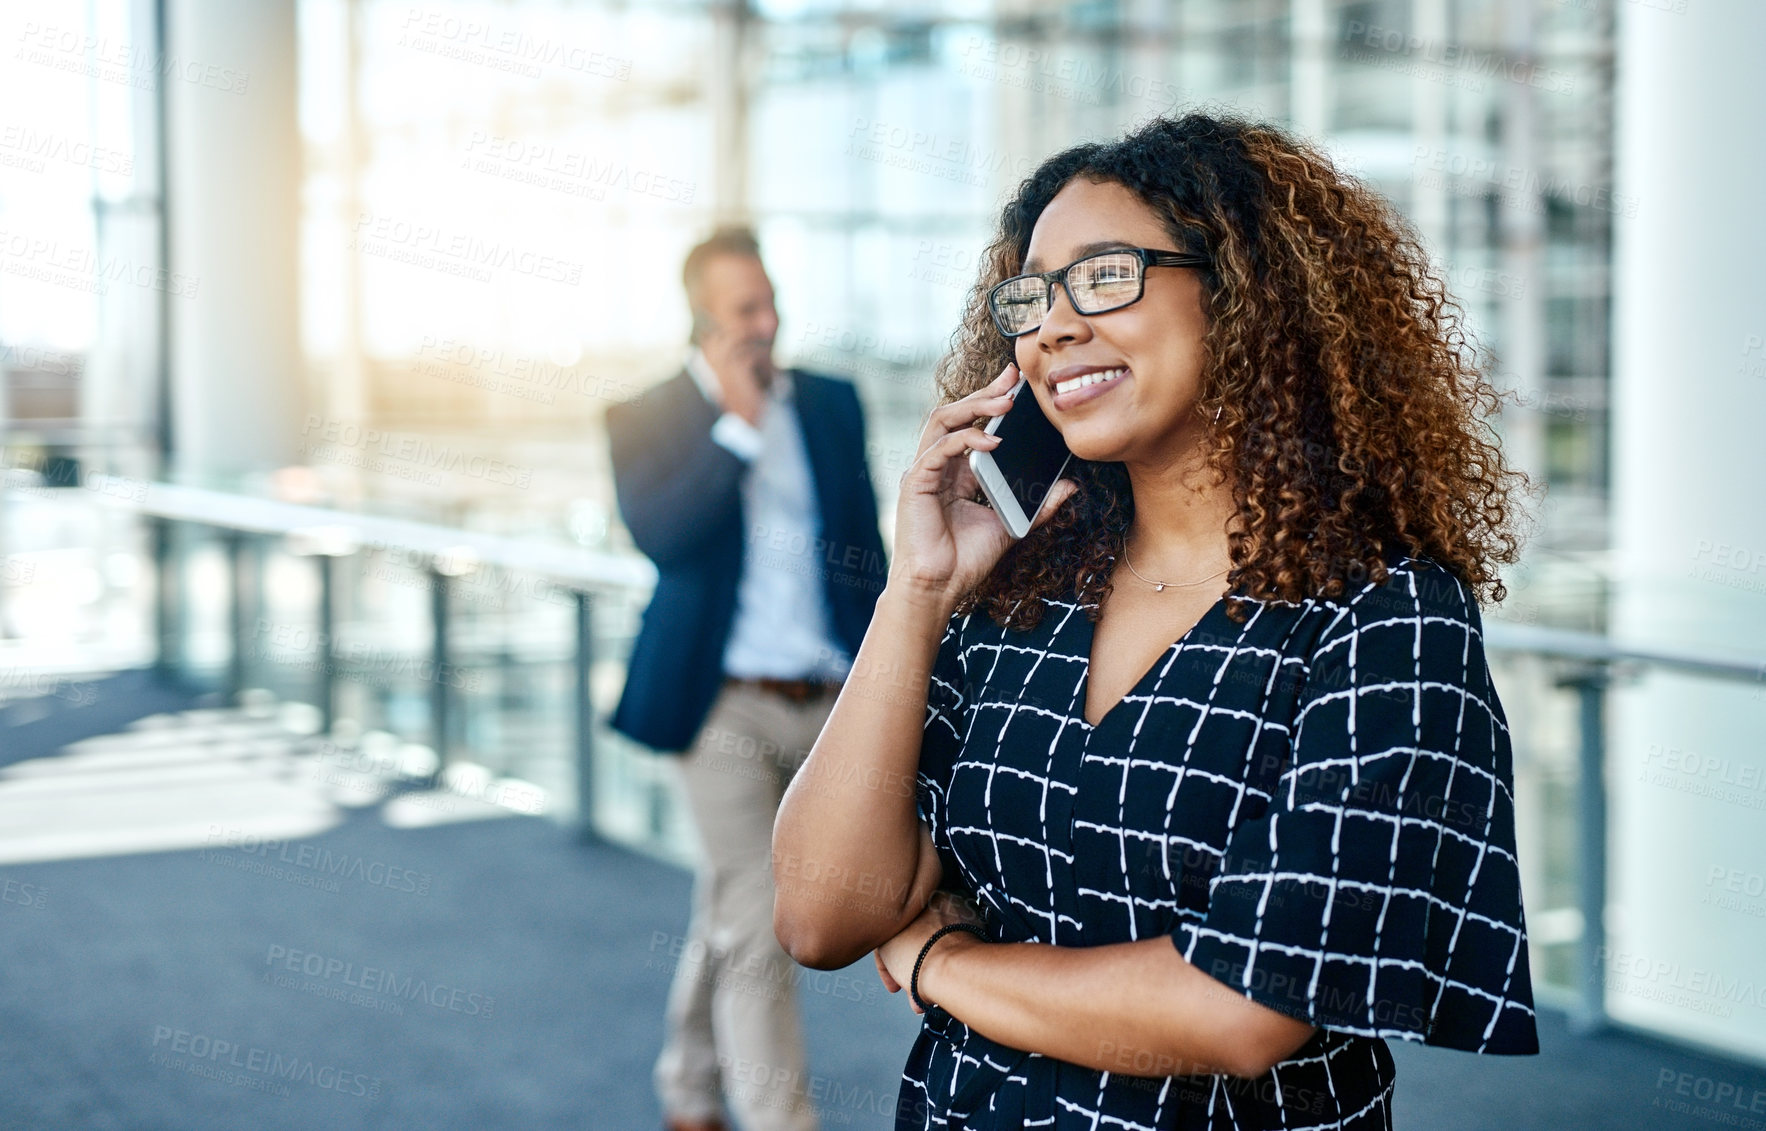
(945, 540)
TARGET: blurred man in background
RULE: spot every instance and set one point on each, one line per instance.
(747, 486)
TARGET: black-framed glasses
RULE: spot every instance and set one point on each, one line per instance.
(1097, 284)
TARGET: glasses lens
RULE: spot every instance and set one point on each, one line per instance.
(1104, 282)
(1020, 304)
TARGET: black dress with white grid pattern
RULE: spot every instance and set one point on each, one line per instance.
(1314, 805)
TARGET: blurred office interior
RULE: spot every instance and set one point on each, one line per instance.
(310, 311)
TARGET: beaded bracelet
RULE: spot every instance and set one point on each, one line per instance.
(914, 978)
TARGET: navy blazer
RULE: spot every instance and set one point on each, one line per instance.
(680, 494)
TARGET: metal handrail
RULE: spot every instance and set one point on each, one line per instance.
(575, 566)
(1595, 648)
(1597, 660)
(1594, 658)
(340, 531)
(328, 534)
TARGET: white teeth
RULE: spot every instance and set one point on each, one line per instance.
(1085, 379)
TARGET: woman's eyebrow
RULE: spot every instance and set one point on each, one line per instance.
(1033, 266)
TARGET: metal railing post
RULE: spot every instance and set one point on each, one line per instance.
(326, 692)
(1591, 847)
(166, 658)
(440, 696)
(234, 541)
(585, 717)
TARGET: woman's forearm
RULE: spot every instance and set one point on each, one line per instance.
(851, 863)
(1137, 1009)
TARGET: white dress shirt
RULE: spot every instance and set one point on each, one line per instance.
(781, 627)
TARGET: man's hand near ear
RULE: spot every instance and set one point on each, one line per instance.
(744, 367)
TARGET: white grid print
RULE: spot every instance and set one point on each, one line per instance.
(1314, 806)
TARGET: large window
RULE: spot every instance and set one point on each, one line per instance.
(80, 271)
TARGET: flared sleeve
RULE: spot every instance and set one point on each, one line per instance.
(1378, 894)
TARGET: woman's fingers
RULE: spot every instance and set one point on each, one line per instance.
(889, 982)
(960, 417)
(998, 387)
(927, 472)
(936, 533)
(991, 399)
(960, 481)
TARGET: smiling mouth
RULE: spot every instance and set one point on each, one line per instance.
(1085, 379)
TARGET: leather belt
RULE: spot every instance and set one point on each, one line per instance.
(796, 690)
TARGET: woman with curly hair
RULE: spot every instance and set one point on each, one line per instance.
(1209, 762)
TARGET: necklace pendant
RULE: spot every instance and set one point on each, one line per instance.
(1159, 587)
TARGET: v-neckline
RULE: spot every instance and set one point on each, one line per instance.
(1089, 638)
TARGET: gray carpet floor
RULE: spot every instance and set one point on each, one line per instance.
(523, 987)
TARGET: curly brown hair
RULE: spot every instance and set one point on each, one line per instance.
(1352, 406)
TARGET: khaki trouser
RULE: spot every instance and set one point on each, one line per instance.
(732, 1024)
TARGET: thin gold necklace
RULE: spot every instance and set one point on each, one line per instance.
(1160, 586)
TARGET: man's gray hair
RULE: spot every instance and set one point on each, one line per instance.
(729, 240)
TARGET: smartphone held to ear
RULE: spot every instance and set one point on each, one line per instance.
(702, 326)
(1021, 470)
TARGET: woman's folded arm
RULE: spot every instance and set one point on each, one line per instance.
(852, 863)
(1136, 1009)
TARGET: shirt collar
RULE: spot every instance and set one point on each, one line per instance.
(706, 379)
